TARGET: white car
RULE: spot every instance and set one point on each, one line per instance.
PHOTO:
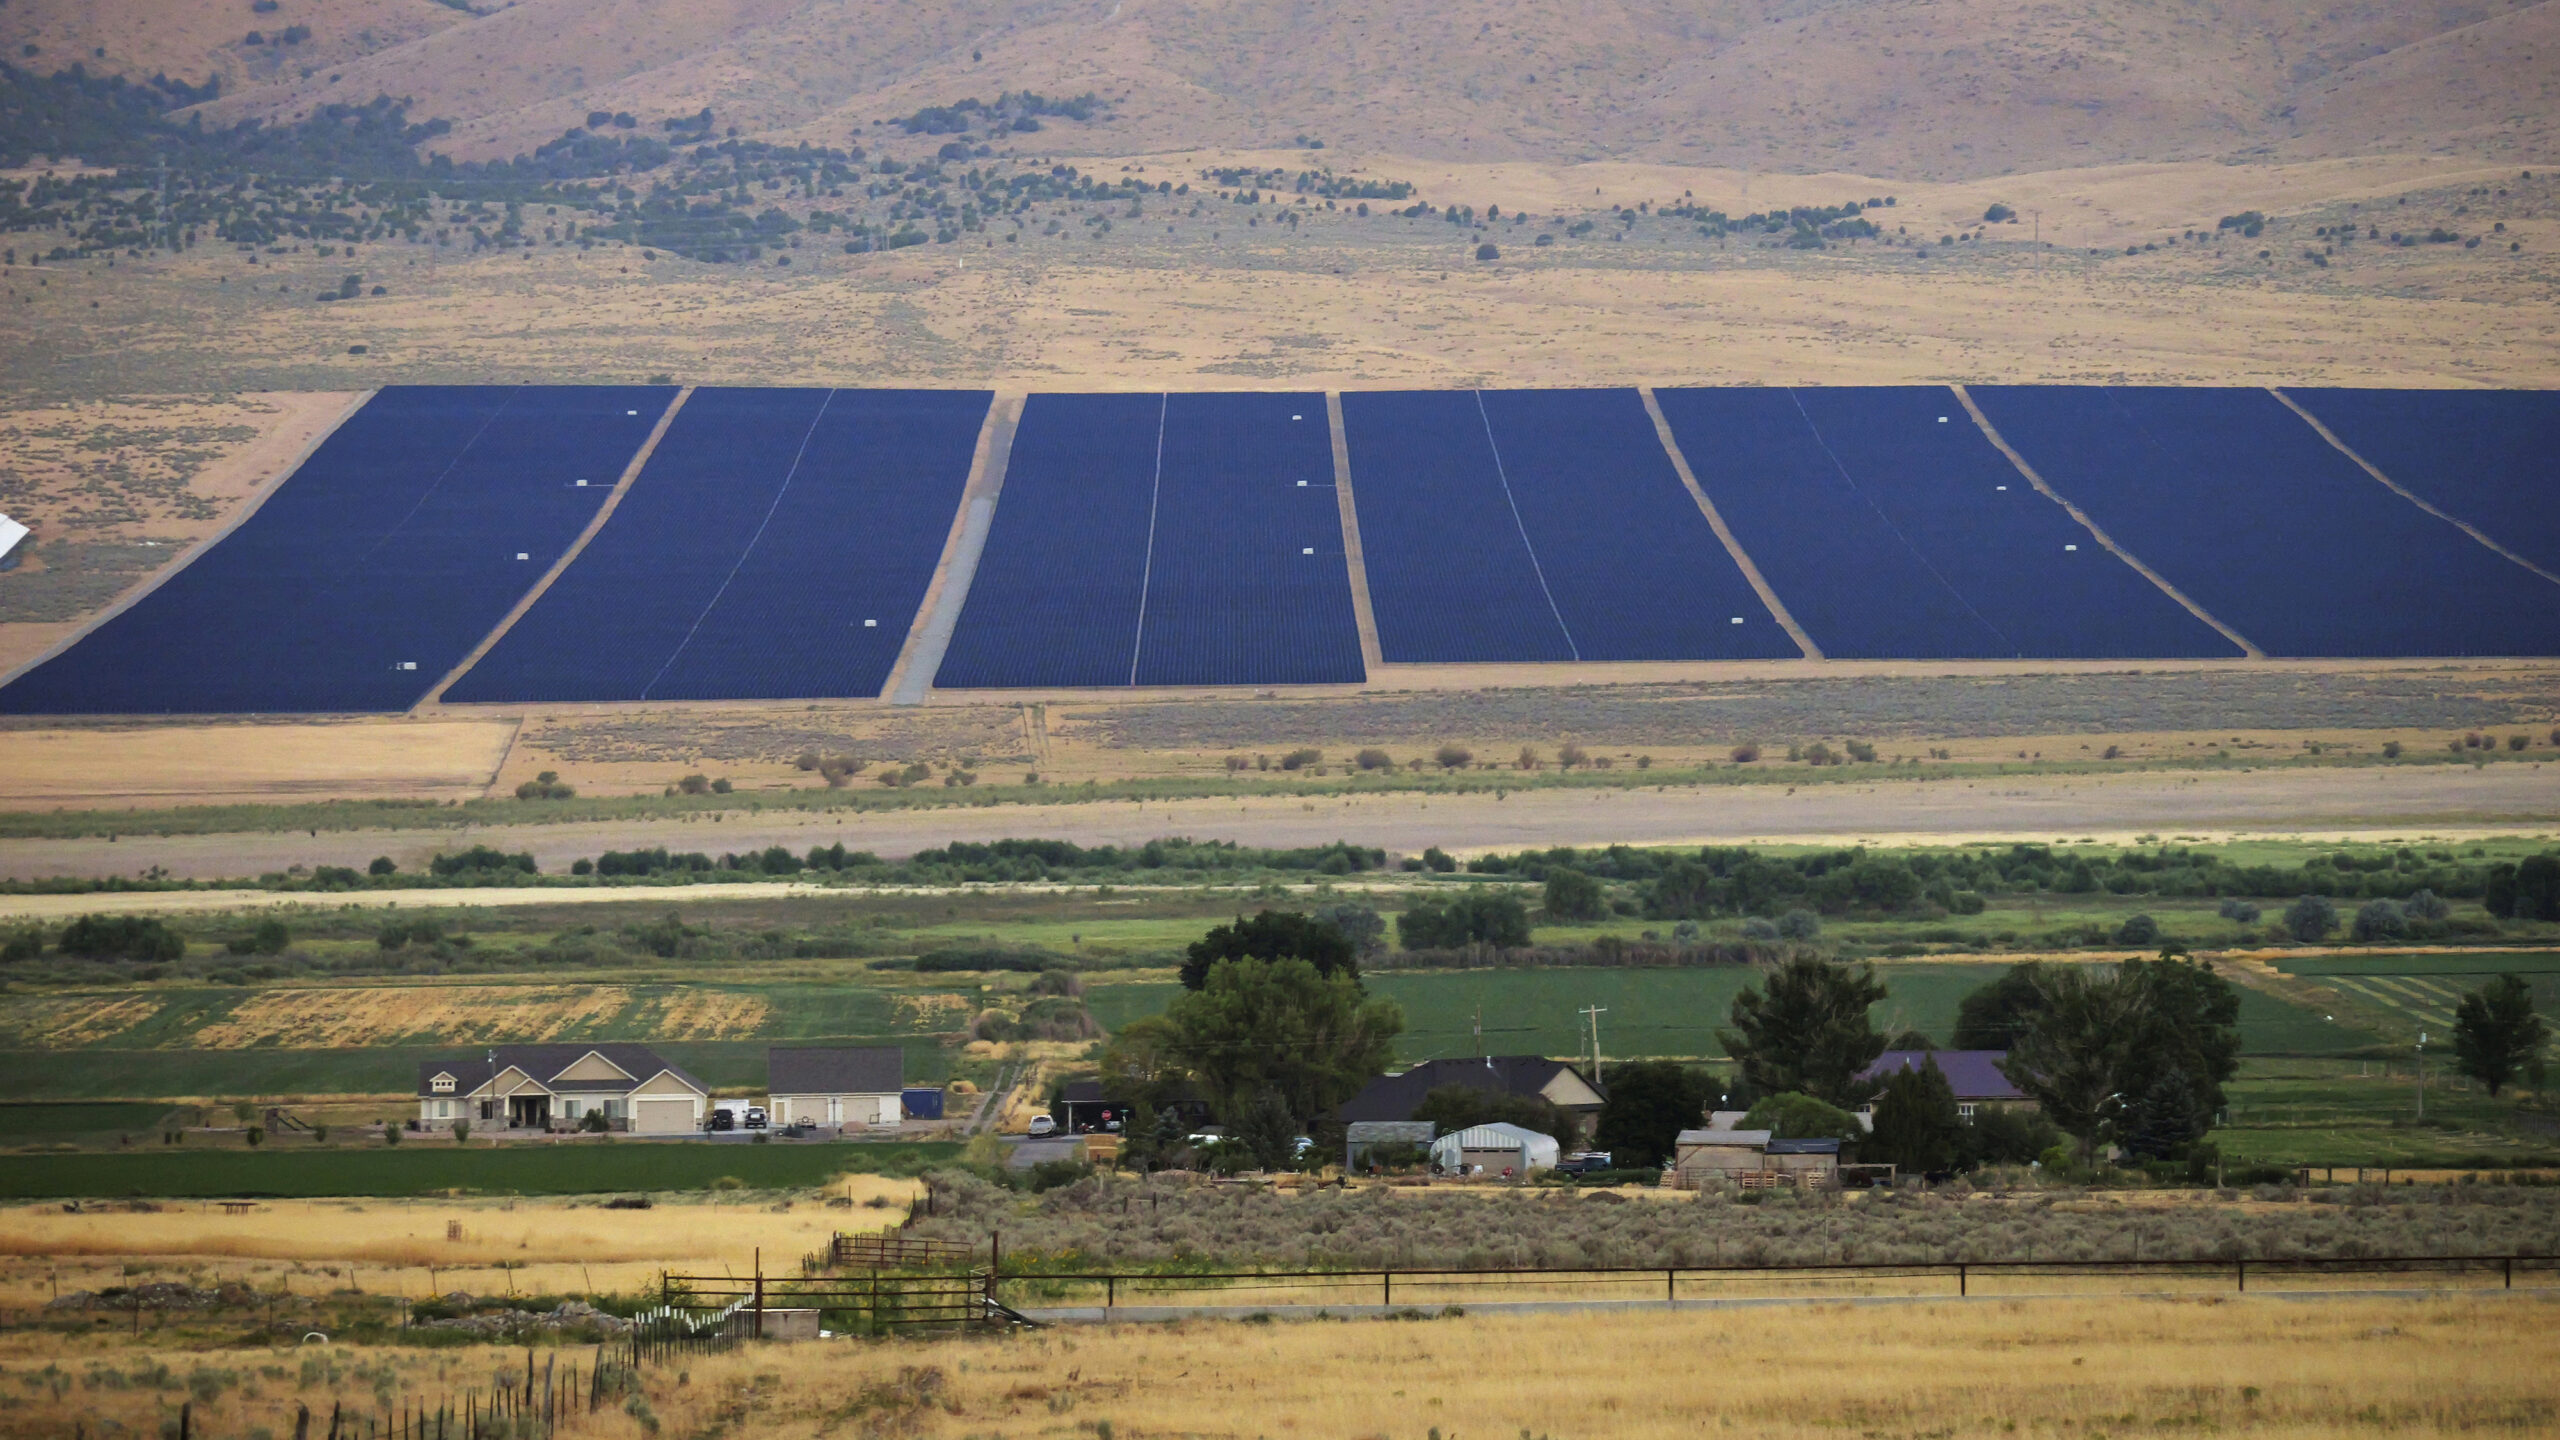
(1042, 1125)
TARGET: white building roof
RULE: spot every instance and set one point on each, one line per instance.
(1750, 1139)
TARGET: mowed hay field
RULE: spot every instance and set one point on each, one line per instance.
(422, 1246)
(2282, 1368)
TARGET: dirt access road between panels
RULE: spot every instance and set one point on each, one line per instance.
(2385, 800)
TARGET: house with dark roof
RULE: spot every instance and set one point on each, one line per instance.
(558, 1087)
(1396, 1097)
(836, 1085)
(1975, 1076)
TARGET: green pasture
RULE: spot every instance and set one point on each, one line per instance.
(38, 1121)
(60, 1075)
(1669, 1012)
(584, 1168)
(2365, 1112)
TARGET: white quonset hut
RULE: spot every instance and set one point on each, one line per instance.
(546, 1087)
(836, 1085)
(1498, 1148)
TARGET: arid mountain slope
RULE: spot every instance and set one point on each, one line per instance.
(1925, 88)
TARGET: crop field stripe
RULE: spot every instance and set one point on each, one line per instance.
(391, 552)
(568, 557)
(911, 676)
(1886, 519)
(1147, 574)
(257, 498)
(2405, 493)
(1525, 542)
(1724, 533)
(1355, 558)
(2271, 528)
(2098, 532)
(797, 458)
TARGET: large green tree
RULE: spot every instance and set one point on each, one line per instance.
(1649, 1103)
(2103, 1044)
(1917, 1127)
(1808, 1030)
(2496, 1034)
(1273, 935)
(1281, 1026)
(1991, 1017)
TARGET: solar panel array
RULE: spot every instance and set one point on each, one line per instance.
(776, 546)
(2486, 457)
(1892, 528)
(1522, 525)
(373, 569)
(1160, 540)
(779, 543)
(2244, 507)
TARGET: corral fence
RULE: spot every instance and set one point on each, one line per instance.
(892, 1251)
(553, 1399)
(1389, 1287)
(897, 1284)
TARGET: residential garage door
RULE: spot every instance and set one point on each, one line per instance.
(662, 1117)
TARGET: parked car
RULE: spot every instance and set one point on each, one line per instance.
(1584, 1162)
(720, 1120)
(756, 1117)
(1043, 1125)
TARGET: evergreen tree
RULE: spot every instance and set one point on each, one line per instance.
(2496, 1034)
(1809, 1031)
(1916, 1125)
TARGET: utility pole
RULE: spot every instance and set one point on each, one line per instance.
(1480, 1050)
(2422, 1075)
(1592, 1013)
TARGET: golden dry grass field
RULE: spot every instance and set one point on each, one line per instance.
(534, 1246)
(2280, 1368)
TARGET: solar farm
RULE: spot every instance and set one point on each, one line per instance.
(551, 545)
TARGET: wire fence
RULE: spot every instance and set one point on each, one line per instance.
(1390, 1287)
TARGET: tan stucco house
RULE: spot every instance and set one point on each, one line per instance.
(555, 1087)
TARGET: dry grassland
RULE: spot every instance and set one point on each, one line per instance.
(2278, 1368)
(389, 1246)
(468, 1014)
(116, 489)
(116, 767)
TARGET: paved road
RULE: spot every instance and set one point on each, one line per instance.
(2377, 801)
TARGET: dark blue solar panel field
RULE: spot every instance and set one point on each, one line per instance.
(1249, 584)
(776, 546)
(1524, 525)
(2245, 508)
(1969, 560)
(2490, 458)
(373, 569)
(1162, 540)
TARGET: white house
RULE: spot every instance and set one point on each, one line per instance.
(836, 1085)
(1498, 1148)
(547, 1087)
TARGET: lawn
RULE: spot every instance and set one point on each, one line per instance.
(1677, 1012)
(572, 1169)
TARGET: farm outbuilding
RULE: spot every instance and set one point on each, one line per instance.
(1499, 1148)
(836, 1085)
(1362, 1136)
(1709, 1157)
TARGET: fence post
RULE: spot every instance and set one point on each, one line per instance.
(1671, 1286)
(759, 1329)
(2241, 1268)
(2508, 1263)
(1964, 1283)
(1110, 1292)
(1387, 1286)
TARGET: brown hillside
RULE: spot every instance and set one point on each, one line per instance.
(1919, 88)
